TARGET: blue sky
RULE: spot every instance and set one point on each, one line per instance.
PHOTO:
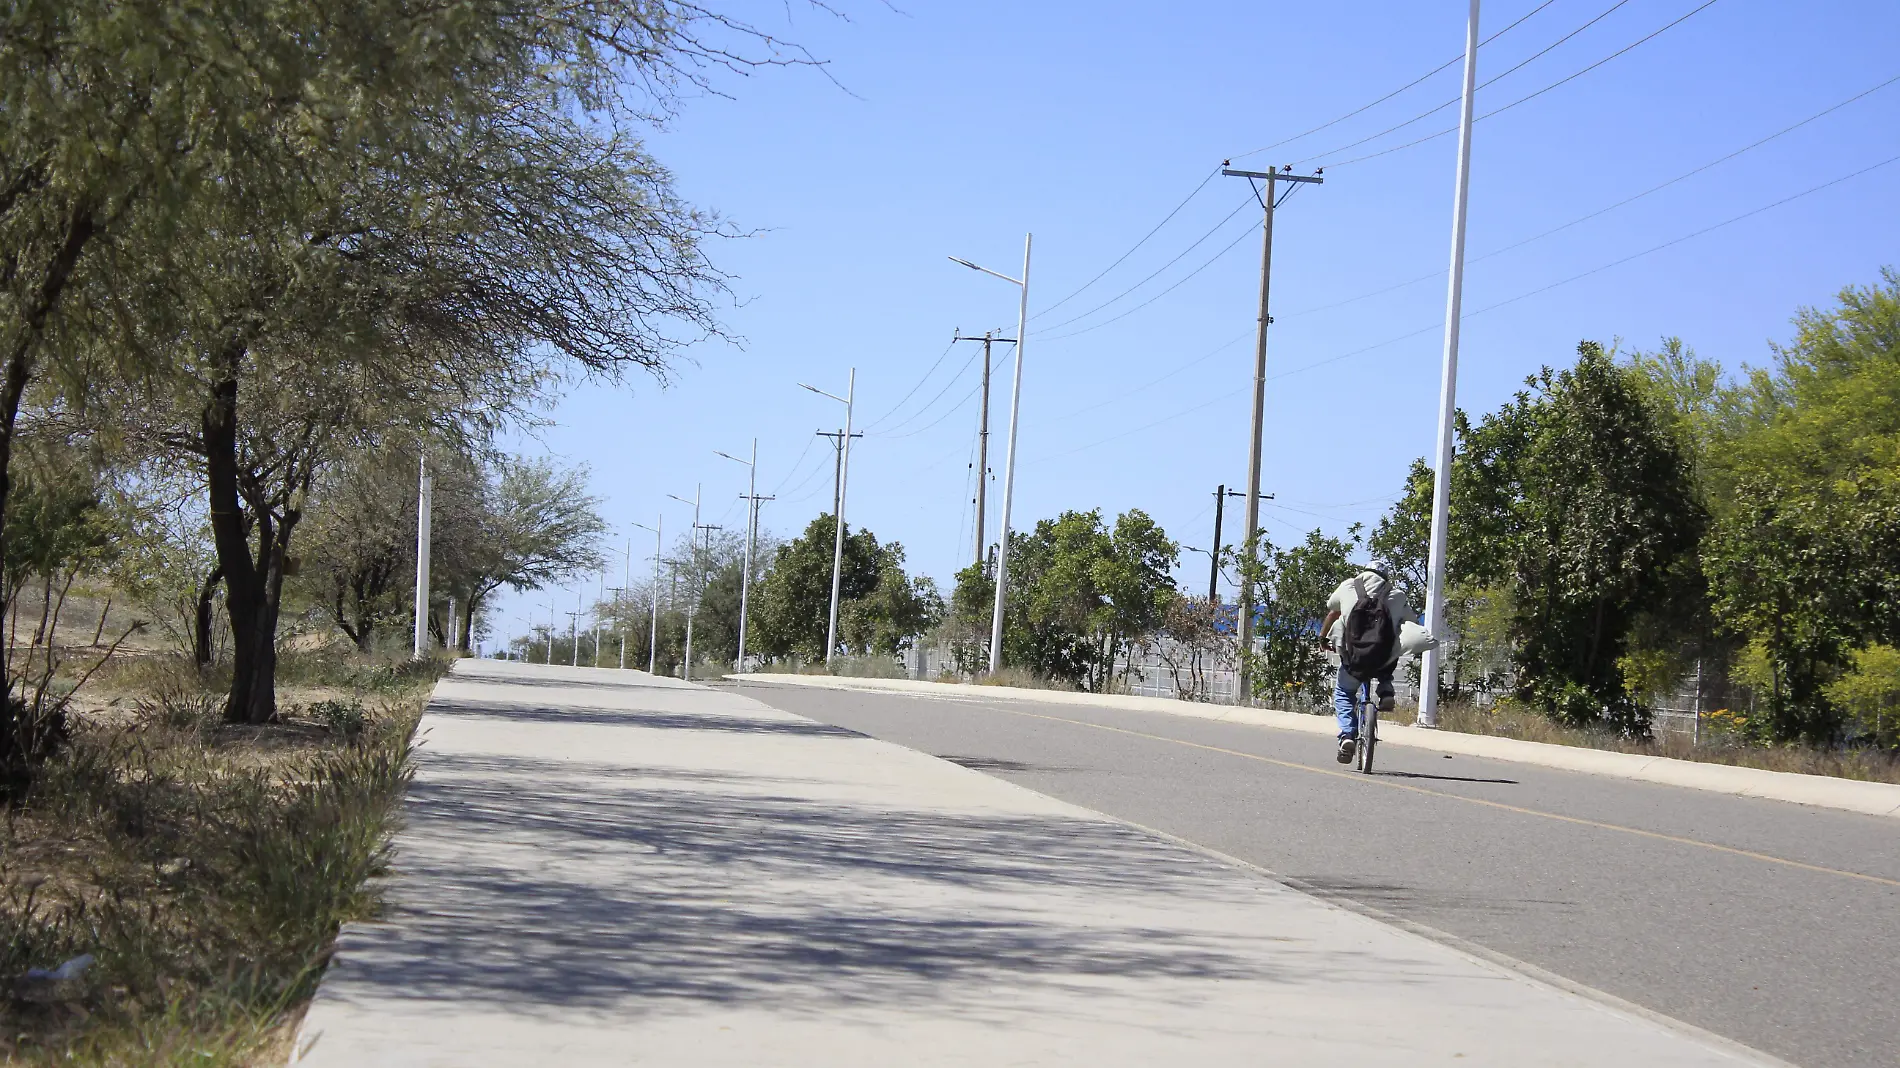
(954, 128)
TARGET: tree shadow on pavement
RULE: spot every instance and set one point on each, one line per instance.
(542, 885)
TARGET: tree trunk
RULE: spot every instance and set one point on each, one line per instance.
(81, 228)
(244, 589)
(201, 621)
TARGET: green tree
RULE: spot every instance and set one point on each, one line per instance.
(1081, 594)
(1297, 583)
(1804, 549)
(793, 612)
(1577, 497)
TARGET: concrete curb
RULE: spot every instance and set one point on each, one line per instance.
(1847, 795)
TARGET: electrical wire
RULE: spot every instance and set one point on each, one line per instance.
(1525, 99)
(1198, 242)
(1602, 209)
(952, 410)
(1131, 251)
(1145, 386)
(1183, 279)
(1421, 79)
(892, 410)
(1423, 115)
(1432, 327)
(1235, 243)
(792, 472)
(919, 413)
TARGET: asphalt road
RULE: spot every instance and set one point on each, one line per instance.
(1772, 924)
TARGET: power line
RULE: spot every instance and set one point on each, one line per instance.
(1432, 327)
(1494, 78)
(1197, 361)
(1525, 99)
(1131, 251)
(1183, 280)
(792, 472)
(1242, 206)
(952, 410)
(1605, 210)
(1421, 79)
(913, 390)
(919, 413)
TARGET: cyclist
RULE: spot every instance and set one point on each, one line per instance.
(1363, 617)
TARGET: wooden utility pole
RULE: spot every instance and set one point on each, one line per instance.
(983, 437)
(1249, 565)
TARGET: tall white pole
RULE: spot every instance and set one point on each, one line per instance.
(653, 638)
(574, 632)
(1009, 467)
(603, 596)
(837, 547)
(620, 612)
(752, 522)
(1448, 393)
(424, 502)
(692, 592)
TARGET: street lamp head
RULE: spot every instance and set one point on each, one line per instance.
(731, 457)
(966, 263)
(682, 500)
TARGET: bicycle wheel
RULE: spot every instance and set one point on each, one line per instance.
(1369, 736)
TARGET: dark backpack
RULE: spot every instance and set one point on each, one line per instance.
(1370, 642)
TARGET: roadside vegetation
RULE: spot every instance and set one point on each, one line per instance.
(262, 264)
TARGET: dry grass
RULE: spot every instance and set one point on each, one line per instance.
(206, 866)
(1506, 721)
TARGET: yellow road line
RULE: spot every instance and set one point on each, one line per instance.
(1357, 777)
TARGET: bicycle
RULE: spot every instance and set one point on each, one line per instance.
(1366, 738)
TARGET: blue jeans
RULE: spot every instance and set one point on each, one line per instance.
(1346, 693)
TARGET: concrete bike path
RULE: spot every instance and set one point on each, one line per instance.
(603, 867)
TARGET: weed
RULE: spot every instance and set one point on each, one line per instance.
(345, 719)
(206, 866)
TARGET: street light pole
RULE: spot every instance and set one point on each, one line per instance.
(424, 505)
(653, 637)
(1448, 393)
(1009, 462)
(620, 616)
(844, 479)
(692, 605)
(752, 500)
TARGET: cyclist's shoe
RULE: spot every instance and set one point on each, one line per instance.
(1347, 747)
(1385, 702)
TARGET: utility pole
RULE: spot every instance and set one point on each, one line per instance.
(1213, 564)
(425, 500)
(620, 624)
(1009, 457)
(837, 515)
(983, 436)
(837, 464)
(1448, 393)
(1267, 204)
(692, 603)
(603, 596)
(574, 633)
(653, 637)
(1221, 493)
(752, 499)
(620, 612)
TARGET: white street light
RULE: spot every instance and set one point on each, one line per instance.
(692, 606)
(424, 502)
(751, 530)
(1448, 394)
(844, 478)
(1009, 464)
(653, 638)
